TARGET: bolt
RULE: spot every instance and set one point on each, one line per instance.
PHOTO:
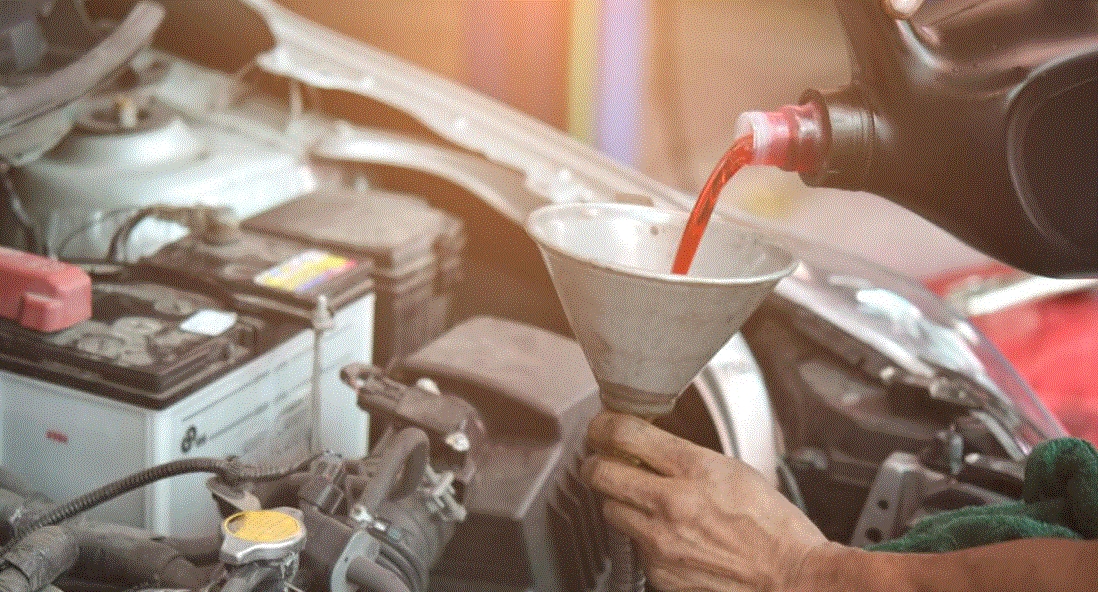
(458, 442)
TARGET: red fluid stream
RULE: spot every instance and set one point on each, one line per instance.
(740, 154)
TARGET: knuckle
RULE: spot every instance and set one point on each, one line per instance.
(649, 541)
(687, 460)
(596, 475)
(675, 555)
(682, 507)
(611, 512)
(655, 549)
(621, 433)
(587, 470)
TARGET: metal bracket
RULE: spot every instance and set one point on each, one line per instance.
(904, 490)
(900, 481)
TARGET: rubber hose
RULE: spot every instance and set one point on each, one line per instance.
(626, 574)
(230, 470)
(121, 235)
(372, 577)
(408, 452)
(282, 492)
(107, 556)
(39, 559)
(198, 550)
(398, 562)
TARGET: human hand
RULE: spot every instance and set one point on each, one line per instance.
(701, 520)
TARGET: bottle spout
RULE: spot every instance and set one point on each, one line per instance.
(792, 137)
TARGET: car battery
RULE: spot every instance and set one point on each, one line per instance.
(259, 272)
(156, 374)
(415, 249)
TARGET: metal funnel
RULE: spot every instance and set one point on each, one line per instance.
(646, 332)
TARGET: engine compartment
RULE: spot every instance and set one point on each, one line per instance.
(259, 245)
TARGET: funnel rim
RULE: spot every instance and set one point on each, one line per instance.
(629, 270)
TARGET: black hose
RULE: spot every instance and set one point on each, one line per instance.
(400, 562)
(112, 554)
(38, 560)
(232, 471)
(372, 577)
(282, 492)
(199, 550)
(406, 452)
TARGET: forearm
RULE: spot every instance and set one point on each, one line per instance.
(1029, 565)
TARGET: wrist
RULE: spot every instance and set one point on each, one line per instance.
(835, 567)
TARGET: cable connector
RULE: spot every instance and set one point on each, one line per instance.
(791, 137)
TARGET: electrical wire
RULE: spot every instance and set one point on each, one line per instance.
(121, 235)
(103, 218)
(230, 470)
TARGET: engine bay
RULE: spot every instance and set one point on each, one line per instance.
(271, 240)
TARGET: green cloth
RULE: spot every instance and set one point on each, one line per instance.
(1059, 499)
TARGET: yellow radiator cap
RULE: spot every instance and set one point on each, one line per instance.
(262, 526)
(254, 535)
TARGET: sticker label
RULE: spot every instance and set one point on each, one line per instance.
(209, 322)
(304, 271)
(262, 526)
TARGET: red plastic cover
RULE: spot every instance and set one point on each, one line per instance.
(42, 294)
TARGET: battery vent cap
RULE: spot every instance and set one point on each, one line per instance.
(41, 293)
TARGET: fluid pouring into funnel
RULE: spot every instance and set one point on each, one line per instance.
(740, 154)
